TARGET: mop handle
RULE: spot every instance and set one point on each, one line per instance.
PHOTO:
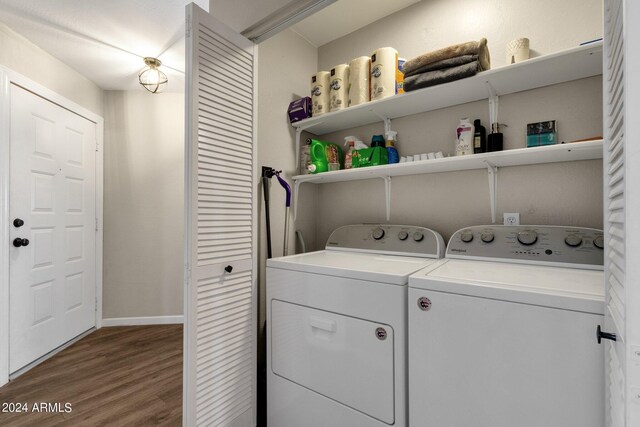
(287, 188)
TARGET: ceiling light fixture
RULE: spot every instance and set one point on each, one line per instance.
(151, 78)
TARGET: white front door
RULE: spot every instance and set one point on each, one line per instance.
(52, 206)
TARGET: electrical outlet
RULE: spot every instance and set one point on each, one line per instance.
(511, 218)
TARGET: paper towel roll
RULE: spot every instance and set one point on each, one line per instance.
(384, 62)
(359, 69)
(319, 93)
(339, 87)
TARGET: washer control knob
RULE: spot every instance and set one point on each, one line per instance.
(598, 242)
(418, 236)
(527, 237)
(378, 233)
(573, 240)
(487, 237)
(466, 236)
(403, 235)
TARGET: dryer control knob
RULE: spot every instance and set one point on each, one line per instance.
(527, 237)
(487, 237)
(598, 242)
(378, 233)
(403, 235)
(573, 240)
(466, 236)
(418, 236)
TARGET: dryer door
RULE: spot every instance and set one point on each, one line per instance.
(346, 359)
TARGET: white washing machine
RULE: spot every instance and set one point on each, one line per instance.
(337, 326)
(503, 332)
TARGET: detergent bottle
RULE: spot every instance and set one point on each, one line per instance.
(325, 155)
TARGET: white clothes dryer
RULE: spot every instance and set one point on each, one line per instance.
(503, 332)
(337, 326)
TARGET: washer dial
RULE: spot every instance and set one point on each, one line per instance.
(527, 237)
(573, 240)
(418, 236)
(487, 237)
(598, 242)
(466, 236)
(403, 235)
(378, 233)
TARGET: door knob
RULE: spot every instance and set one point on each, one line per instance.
(17, 242)
(17, 223)
(228, 269)
(605, 335)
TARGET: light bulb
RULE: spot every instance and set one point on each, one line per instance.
(151, 78)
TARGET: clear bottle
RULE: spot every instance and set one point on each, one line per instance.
(305, 157)
(392, 151)
(349, 143)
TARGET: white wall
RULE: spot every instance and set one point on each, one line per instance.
(143, 199)
(20, 55)
(568, 193)
(282, 60)
(550, 25)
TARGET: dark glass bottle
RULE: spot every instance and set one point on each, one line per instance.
(494, 142)
(479, 137)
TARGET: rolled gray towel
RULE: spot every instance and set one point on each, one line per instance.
(436, 77)
(445, 63)
(470, 48)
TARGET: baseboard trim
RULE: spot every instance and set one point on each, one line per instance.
(137, 321)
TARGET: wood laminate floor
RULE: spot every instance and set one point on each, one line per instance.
(119, 376)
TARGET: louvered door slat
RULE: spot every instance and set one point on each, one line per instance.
(220, 334)
(615, 209)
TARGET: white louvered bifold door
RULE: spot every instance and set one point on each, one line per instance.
(220, 327)
(622, 211)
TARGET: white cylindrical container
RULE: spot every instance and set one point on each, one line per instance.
(359, 70)
(319, 93)
(339, 87)
(384, 63)
(517, 50)
(464, 138)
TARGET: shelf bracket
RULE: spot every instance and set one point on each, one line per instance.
(387, 194)
(492, 173)
(296, 190)
(494, 101)
(386, 120)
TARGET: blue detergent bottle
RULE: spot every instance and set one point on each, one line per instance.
(392, 152)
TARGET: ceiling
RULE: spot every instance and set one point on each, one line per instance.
(105, 40)
(344, 17)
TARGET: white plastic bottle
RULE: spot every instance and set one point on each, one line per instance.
(464, 137)
(349, 143)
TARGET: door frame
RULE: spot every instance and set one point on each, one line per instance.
(7, 78)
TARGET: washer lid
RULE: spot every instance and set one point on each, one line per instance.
(389, 269)
(566, 288)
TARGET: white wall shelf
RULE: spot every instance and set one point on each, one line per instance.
(568, 65)
(588, 150)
